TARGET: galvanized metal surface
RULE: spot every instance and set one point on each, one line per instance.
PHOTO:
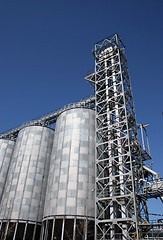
(71, 182)
(50, 118)
(6, 150)
(24, 193)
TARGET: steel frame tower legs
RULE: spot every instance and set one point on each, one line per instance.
(118, 157)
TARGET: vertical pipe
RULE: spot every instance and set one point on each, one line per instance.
(147, 141)
(1, 222)
(15, 230)
(26, 224)
(141, 127)
(6, 230)
(46, 230)
(42, 231)
(63, 225)
(109, 122)
(85, 227)
(34, 231)
(74, 229)
(52, 237)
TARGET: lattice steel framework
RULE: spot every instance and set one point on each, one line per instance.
(50, 118)
(118, 157)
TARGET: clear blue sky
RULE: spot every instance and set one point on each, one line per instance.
(45, 49)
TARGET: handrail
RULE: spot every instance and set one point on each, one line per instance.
(49, 118)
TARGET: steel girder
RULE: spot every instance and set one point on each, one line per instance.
(50, 118)
(118, 155)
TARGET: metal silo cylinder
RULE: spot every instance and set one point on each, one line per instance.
(69, 206)
(24, 194)
(6, 150)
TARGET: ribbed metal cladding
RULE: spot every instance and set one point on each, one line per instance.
(6, 150)
(71, 182)
(24, 193)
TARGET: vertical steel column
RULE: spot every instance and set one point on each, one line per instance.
(42, 230)
(6, 230)
(63, 228)
(52, 237)
(26, 225)
(74, 229)
(118, 156)
(46, 230)
(85, 227)
(119, 167)
(34, 231)
(15, 230)
(1, 222)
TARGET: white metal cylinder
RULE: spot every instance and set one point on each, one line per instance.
(6, 150)
(71, 182)
(25, 188)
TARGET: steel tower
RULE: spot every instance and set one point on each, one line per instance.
(123, 183)
(119, 210)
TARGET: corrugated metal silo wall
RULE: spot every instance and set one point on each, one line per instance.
(6, 150)
(24, 193)
(71, 182)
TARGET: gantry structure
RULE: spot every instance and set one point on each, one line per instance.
(119, 166)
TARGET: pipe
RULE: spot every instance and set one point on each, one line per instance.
(152, 172)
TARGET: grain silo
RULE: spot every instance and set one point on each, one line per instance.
(55, 184)
(24, 194)
(6, 150)
(69, 205)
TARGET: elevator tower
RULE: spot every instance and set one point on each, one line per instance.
(48, 181)
(119, 210)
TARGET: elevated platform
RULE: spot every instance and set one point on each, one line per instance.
(152, 189)
(152, 230)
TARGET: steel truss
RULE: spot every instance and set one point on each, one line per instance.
(50, 118)
(118, 157)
